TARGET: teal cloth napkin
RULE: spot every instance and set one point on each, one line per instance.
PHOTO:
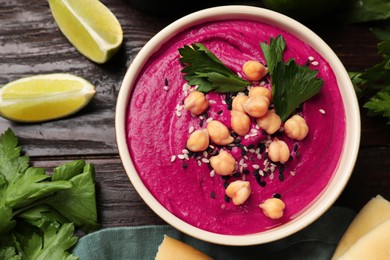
(317, 241)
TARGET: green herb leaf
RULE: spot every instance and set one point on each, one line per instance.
(11, 163)
(83, 213)
(292, 84)
(273, 53)
(33, 202)
(380, 103)
(203, 68)
(31, 186)
(368, 10)
(53, 245)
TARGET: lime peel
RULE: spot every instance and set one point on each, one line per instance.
(90, 26)
(44, 97)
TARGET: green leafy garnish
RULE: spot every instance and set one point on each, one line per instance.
(204, 69)
(292, 84)
(374, 83)
(273, 53)
(38, 211)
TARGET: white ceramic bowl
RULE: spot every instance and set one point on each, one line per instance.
(352, 120)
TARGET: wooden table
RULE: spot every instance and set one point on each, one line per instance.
(31, 43)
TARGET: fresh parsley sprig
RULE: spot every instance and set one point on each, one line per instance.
(204, 69)
(292, 84)
(374, 83)
(38, 211)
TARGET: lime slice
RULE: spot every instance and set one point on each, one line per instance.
(90, 26)
(44, 97)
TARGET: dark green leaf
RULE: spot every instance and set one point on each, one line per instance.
(203, 68)
(31, 186)
(273, 53)
(292, 85)
(368, 10)
(42, 216)
(380, 103)
(11, 163)
(53, 245)
(7, 223)
(68, 170)
(78, 204)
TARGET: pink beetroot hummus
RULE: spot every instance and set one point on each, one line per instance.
(158, 128)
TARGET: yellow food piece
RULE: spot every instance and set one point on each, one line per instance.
(374, 245)
(373, 214)
(90, 26)
(171, 248)
(44, 97)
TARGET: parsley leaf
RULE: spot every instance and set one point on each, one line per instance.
(38, 211)
(53, 245)
(374, 83)
(273, 53)
(203, 68)
(380, 103)
(292, 84)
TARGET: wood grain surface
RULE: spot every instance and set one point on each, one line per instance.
(31, 44)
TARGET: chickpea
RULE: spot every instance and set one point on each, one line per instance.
(261, 91)
(296, 127)
(219, 133)
(256, 106)
(237, 102)
(239, 191)
(254, 70)
(278, 151)
(196, 103)
(273, 208)
(270, 122)
(198, 140)
(240, 122)
(223, 163)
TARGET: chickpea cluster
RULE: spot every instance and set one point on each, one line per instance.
(245, 108)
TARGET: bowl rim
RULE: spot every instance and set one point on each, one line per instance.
(352, 121)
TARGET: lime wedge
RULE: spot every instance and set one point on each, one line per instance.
(44, 97)
(90, 26)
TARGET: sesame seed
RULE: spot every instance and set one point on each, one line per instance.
(165, 88)
(311, 58)
(173, 158)
(186, 156)
(191, 129)
(259, 156)
(185, 151)
(292, 173)
(209, 119)
(205, 153)
(212, 173)
(199, 163)
(205, 160)
(322, 111)
(255, 166)
(180, 156)
(314, 63)
(212, 101)
(178, 113)
(224, 102)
